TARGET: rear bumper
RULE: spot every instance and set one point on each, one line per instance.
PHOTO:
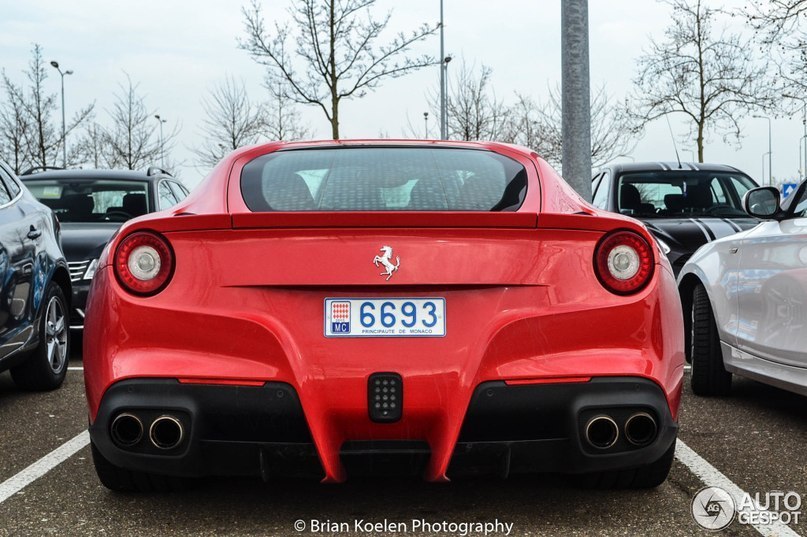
(263, 431)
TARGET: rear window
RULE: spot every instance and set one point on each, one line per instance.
(92, 200)
(680, 193)
(383, 179)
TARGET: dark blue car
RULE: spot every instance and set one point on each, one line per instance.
(34, 289)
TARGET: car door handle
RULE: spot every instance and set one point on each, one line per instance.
(733, 250)
(34, 233)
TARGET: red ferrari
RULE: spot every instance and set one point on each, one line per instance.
(336, 308)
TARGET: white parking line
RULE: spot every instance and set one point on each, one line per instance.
(16, 483)
(75, 368)
(712, 477)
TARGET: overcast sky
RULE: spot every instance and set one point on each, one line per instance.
(177, 50)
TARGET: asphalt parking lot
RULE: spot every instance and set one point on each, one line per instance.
(755, 439)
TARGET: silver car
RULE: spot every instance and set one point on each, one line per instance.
(745, 299)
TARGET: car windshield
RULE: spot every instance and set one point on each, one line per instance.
(682, 193)
(100, 200)
(383, 179)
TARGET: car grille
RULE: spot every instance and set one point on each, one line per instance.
(77, 269)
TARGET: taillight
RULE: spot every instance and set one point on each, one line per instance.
(624, 262)
(144, 263)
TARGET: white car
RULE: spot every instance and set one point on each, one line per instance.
(745, 299)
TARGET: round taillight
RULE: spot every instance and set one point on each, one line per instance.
(144, 263)
(624, 262)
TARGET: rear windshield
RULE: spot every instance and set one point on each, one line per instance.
(383, 179)
(92, 200)
(683, 193)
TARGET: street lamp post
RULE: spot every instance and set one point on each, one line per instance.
(162, 147)
(770, 149)
(442, 77)
(770, 181)
(62, 74)
(444, 103)
(575, 96)
(804, 123)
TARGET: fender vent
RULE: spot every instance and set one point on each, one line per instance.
(385, 397)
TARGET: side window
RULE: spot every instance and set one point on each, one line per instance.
(165, 195)
(741, 186)
(595, 183)
(12, 185)
(718, 191)
(5, 195)
(601, 196)
(800, 210)
(179, 192)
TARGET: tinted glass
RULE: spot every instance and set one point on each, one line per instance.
(595, 183)
(92, 200)
(601, 196)
(800, 210)
(166, 195)
(5, 196)
(11, 185)
(179, 192)
(384, 179)
(682, 193)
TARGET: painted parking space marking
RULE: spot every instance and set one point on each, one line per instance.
(16, 483)
(75, 368)
(696, 464)
(712, 477)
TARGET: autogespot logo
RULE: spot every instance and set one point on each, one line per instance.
(713, 508)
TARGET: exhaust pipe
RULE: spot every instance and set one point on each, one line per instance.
(166, 432)
(126, 430)
(602, 432)
(641, 429)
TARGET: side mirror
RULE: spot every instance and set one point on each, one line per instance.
(762, 203)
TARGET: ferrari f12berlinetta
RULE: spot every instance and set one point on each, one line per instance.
(333, 308)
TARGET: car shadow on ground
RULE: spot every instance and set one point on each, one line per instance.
(526, 502)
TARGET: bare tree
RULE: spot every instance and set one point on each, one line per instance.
(782, 26)
(33, 135)
(132, 140)
(231, 121)
(528, 127)
(335, 48)
(92, 147)
(14, 127)
(539, 126)
(282, 120)
(709, 75)
(473, 110)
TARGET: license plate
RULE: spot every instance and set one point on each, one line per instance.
(385, 317)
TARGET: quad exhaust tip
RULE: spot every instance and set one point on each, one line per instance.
(601, 432)
(641, 429)
(126, 429)
(166, 432)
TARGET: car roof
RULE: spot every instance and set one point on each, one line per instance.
(120, 175)
(671, 166)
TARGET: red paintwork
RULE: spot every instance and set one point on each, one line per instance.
(245, 304)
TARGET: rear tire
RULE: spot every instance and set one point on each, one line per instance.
(709, 376)
(119, 479)
(644, 477)
(46, 367)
